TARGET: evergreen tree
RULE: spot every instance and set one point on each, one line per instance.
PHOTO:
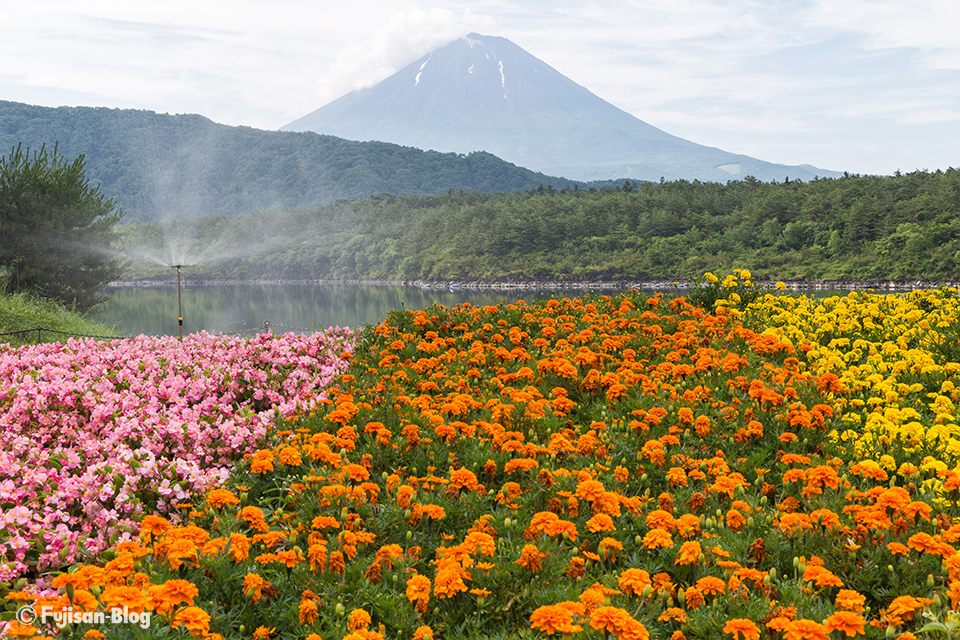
(57, 236)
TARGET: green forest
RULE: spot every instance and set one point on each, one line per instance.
(160, 166)
(900, 227)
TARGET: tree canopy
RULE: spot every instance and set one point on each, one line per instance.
(57, 234)
(904, 227)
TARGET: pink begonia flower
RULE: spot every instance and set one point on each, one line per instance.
(111, 421)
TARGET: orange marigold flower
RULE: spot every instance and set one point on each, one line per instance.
(263, 633)
(218, 498)
(618, 622)
(694, 598)
(689, 553)
(633, 581)
(673, 613)
(590, 490)
(418, 591)
(742, 629)
(661, 519)
(123, 596)
(253, 586)
(309, 612)
(601, 522)
(449, 580)
(847, 621)
(463, 478)
(657, 539)
(925, 543)
(337, 564)
(850, 600)
(289, 455)
(359, 619)
(702, 426)
(530, 558)
(261, 461)
(153, 526)
(17, 630)
(609, 547)
(423, 633)
(903, 608)
(711, 585)
(180, 551)
(194, 619)
(821, 576)
(805, 630)
(897, 548)
(554, 618)
(174, 592)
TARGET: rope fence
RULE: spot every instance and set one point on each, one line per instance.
(267, 327)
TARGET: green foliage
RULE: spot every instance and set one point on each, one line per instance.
(735, 290)
(903, 228)
(57, 236)
(159, 166)
(23, 311)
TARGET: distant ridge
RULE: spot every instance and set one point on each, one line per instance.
(161, 166)
(486, 93)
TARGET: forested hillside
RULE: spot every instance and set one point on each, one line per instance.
(158, 166)
(854, 227)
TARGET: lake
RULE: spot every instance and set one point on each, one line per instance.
(300, 308)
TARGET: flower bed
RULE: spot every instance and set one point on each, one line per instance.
(595, 467)
(95, 434)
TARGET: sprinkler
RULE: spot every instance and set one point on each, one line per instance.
(179, 303)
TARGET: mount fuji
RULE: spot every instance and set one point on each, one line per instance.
(484, 93)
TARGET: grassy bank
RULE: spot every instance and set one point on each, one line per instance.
(22, 312)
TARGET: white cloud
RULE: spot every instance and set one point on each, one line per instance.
(403, 38)
(740, 74)
(932, 27)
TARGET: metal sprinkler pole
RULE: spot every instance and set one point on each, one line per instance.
(179, 302)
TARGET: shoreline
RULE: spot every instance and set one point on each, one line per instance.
(587, 285)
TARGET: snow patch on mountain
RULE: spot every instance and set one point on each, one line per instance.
(420, 70)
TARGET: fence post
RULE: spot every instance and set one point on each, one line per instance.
(39, 328)
(266, 327)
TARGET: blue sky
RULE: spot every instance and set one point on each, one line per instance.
(865, 86)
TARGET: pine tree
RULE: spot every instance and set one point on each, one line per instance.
(57, 234)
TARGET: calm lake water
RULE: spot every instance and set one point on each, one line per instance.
(133, 311)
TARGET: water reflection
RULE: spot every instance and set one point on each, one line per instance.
(304, 307)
